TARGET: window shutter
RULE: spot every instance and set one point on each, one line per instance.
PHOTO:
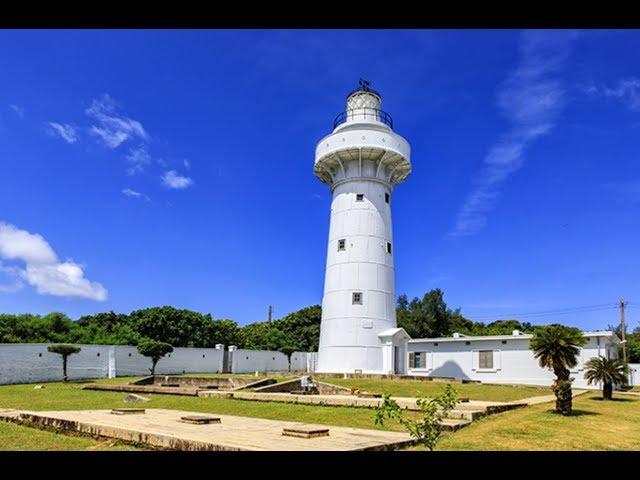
(430, 360)
(412, 359)
(497, 360)
(475, 359)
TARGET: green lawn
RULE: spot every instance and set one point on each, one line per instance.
(419, 388)
(17, 437)
(70, 396)
(595, 425)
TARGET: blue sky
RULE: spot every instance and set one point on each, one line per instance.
(143, 168)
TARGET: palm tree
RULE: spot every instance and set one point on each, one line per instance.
(605, 371)
(557, 347)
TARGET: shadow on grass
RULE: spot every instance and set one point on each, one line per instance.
(575, 413)
(615, 399)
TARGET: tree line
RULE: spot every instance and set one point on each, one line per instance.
(428, 316)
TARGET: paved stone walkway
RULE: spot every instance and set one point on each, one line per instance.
(162, 428)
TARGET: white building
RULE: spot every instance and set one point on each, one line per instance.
(361, 160)
(492, 359)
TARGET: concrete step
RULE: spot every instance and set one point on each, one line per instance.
(9, 413)
(452, 424)
(470, 415)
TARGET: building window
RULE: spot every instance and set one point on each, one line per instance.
(486, 358)
(359, 197)
(417, 359)
(356, 298)
(342, 244)
(387, 197)
(388, 247)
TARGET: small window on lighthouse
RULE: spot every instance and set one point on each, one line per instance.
(388, 247)
(359, 197)
(387, 198)
(357, 298)
(341, 244)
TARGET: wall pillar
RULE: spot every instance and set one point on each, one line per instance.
(111, 366)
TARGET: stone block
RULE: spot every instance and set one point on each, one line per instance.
(199, 419)
(127, 411)
(304, 431)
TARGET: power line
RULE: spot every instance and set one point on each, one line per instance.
(559, 311)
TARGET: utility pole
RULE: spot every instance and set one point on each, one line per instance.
(623, 330)
(270, 312)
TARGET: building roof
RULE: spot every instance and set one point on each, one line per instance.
(522, 336)
(392, 332)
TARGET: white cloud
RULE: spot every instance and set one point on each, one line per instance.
(138, 158)
(187, 164)
(64, 131)
(531, 98)
(13, 274)
(127, 192)
(17, 109)
(173, 179)
(627, 90)
(42, 268)
(112, 128)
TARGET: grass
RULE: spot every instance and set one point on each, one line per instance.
(17, 437)
(419, 388)
(595, 425)
(70, 396)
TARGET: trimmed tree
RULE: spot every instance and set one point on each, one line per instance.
(288, 351)
(64, 350)
(154, 350)
(605, 371)
(557, 347)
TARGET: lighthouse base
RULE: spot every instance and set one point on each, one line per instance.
(387, 358)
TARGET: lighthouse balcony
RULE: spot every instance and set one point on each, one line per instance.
(354, 153)
(363, 114)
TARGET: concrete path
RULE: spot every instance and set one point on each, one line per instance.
(162, 428)
(548, 398)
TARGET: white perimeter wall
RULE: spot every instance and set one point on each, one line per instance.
(181, 360)
(31, 362)
(27, 363)
(250, 361)
(513, 362)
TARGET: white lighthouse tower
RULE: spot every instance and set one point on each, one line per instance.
(361, 160)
